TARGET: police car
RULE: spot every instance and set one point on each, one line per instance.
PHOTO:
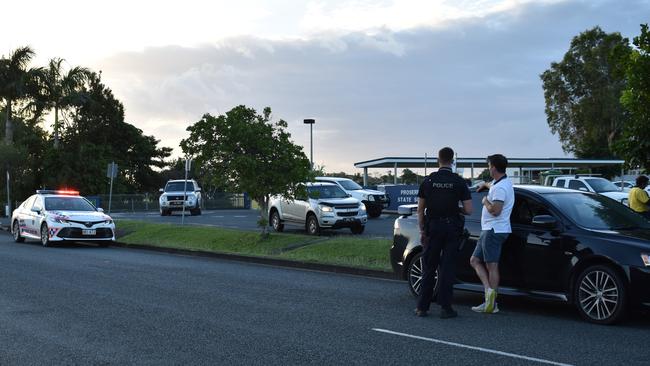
(61, 215)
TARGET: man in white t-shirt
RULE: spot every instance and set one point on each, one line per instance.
(495, 229)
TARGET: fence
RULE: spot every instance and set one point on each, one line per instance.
(149, 202)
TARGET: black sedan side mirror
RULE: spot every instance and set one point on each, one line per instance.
(545, 221)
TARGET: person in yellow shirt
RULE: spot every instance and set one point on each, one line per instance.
(638, 198)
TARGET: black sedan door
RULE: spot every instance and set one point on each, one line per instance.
(545, 253)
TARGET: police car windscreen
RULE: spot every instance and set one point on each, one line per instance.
(179, 186)
(326, 192)
(67, 204)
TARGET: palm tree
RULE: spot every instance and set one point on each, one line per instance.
(61, 90)
(14, 83)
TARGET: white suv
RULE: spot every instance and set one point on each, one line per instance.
(178, 194)
(326, 206)
(592, 184)
(375, 201)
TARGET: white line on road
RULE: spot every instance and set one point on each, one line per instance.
(240, 216)
(472, 347)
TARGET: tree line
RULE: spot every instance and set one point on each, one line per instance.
(88, 132)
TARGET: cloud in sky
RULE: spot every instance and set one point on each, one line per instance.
(381, 78)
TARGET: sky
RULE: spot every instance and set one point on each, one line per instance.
(381, 78)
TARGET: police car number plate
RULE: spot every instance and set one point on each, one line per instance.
(88, 231)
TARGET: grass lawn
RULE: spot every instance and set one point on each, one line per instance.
(347, 251)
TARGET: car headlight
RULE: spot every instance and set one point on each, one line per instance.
(646, 259)
(362, 207)
(325, 208)
(108, 222)
(58, 219)
(163, 198)
(624, 201)
(371, 197)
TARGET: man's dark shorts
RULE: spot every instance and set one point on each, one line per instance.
(488, 247)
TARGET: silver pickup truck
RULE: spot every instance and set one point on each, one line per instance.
(326, 206)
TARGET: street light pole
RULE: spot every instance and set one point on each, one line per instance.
(311, 122)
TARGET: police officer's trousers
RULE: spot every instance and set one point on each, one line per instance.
(442, 250)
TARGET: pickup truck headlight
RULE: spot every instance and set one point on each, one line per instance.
(370, 198)
(362, 207)
(646, 259)
(325, 208)
(163, 198)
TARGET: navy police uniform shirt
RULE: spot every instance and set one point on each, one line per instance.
(442, 191)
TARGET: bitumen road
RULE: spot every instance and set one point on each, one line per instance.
(86, 305)
(381, 226)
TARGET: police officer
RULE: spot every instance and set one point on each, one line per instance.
(441, 228)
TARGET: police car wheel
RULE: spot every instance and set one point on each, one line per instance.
(45, 235)
(312, 225)
(16, 231)
(415, 272)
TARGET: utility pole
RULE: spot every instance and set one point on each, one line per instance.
(311, 122)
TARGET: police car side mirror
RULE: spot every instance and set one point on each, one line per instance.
(37, 210)
(161, 190)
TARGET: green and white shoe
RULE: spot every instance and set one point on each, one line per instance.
(482, 308)
(490, 300)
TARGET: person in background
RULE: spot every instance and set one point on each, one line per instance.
(638, 198)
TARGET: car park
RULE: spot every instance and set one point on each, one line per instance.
(569, 246)
(179, 195)
(375, 201)
(592, 184)
(324, 206)
(61, 215)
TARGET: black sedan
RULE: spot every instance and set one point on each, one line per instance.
(566, 245)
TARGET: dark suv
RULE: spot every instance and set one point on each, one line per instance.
(569, 246)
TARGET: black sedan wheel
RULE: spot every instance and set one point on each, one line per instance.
(16, 231)
(600, 295)
(45, 235)
(415, 273)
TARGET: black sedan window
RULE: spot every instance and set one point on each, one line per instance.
(597, 212)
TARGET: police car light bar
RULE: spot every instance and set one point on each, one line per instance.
(66, 192)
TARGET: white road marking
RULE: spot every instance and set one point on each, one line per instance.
(219, 217)
(481, 349)
(240, 216)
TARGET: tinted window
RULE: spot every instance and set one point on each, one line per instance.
(576, 184)
(525, 209)
(179, 186)
(601, 185)
(559, 183)
(38, 203)
(326, 192)
(597, 212)
(68, 204)
(477, 205)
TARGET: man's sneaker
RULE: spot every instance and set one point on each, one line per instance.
(490, 300)
(446, 313)
(479, 308)
(482, 308)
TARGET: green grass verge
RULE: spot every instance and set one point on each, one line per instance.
(354, 252)
(351, 252)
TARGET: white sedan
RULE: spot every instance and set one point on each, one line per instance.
(54, 216)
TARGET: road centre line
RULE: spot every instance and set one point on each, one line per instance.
(240, 216)
(481, 349)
